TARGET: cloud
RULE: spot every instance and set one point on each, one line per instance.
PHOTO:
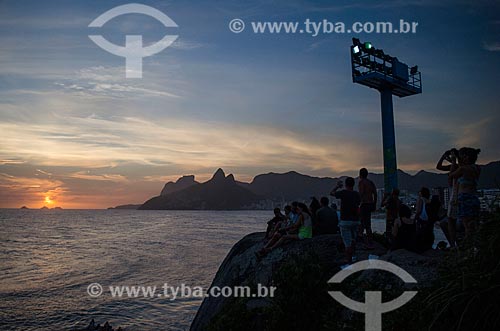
(110, 82)
(302, 6)
(481, 133)
(43, 172)
(104, 177)
(492, 47)
(14, 190)
(250, 105)
(67, 21)
(92, 89)
(11, 161)
(184, 143)
(183, 44)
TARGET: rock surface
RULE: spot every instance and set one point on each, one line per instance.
(128, 206)
(219, 193)
(98, 327)
(241, 267)
(180, 184)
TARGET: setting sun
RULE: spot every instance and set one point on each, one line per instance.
(48, 200)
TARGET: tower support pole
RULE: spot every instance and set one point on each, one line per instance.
(389, 141)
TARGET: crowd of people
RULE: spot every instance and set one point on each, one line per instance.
(404, 229)
(300, 222)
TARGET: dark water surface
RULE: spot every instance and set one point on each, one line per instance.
(49, 257)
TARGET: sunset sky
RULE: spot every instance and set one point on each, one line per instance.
(75, 133)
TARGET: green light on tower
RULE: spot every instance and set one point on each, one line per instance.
(396, 79)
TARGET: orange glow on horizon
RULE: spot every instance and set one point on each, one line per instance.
(48, 200)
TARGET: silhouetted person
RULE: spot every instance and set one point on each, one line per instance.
(303, 228)
(368, 192)
(287, 210)
(313, 208)
(467, 176)
(274, 222)
(425, 217)
(459, 231)
(349, 215)
(327, 220)
(451, 156)
(292, 215)
(404, 230)
(391, 203)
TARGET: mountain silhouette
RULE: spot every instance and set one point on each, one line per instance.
(222, 192)
(180, 184)
(291, 186)
(295, 186)
(219, 193)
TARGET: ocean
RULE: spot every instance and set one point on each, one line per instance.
(48, 258)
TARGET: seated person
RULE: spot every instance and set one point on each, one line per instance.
(327, 220)
(426, 216)
(293, 214)
(274, 223)
(303, 225)
(291, 217)
(404, 230)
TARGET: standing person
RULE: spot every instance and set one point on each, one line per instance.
(368, 192)
(467, 176)
(452, 209)
(327, 220)
(349, 215)
(392, 204)
(424, 222)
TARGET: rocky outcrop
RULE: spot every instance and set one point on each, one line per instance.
(241, 267)
(181, 184)
(219, 193)
(129, 206)
(98, 327)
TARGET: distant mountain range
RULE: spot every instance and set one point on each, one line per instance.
(128, 206)
(219, 193)
(180, 184)
(225, 193)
